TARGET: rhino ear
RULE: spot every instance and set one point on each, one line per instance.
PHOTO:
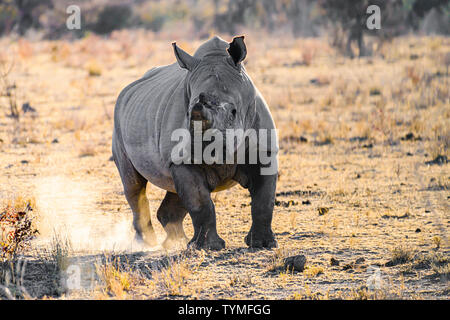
(237, 50)
(185, 60)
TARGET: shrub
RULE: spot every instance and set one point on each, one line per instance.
(112, 17)
(17, 230)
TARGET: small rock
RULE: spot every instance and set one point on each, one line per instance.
(410, 137)
(347, 266)
(439, 160)
(360, 260)
(306, 202)
(55, 140)
(334, 262)
(418, 230)
(324, 142)
(375, 92)
(285, 204)
(111, 158)
(295, 263)
(357, 139)
(27, 108)
(24, 162)
(322, 210)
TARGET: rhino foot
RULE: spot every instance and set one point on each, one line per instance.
(171, 242)
(148, 238)
(266, 241)
(215, 243)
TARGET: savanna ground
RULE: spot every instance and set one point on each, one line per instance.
(358, 193)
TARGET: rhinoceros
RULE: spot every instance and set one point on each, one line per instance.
(211, 87)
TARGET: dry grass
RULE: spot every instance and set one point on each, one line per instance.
(117, 282)
(276, 261)
(357, 177)
(313, 271)
(172, 279)
(400, 255)
(60, 252)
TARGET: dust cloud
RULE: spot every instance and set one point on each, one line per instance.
(69, 209)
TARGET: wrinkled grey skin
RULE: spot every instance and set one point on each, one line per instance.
(213, 87)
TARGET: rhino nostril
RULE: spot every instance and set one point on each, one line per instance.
(233, 114)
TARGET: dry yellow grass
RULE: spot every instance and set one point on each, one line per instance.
(355, 136)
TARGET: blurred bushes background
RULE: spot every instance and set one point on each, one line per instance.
(343, 20)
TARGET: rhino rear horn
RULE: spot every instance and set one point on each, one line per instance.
(185, 60)
(237, 50)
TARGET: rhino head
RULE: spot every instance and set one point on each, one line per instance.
(218, 91)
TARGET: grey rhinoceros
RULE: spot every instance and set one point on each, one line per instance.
(213, 88)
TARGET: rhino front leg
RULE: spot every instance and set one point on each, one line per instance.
(262, 191)
(191, 186)
(171, 214)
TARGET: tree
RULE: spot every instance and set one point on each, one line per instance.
(398, 17)
(24, 14)
(351, 17)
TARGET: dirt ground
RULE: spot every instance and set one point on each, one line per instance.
(359, 194)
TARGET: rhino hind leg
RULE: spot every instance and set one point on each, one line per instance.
(171, 214)
(135, 186)
(141, 217)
